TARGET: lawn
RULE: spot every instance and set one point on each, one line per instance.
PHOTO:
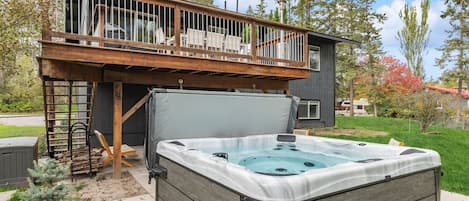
(21, 131)
(26, 131)
(451, 144)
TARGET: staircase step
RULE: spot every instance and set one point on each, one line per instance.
(73, 119)
(61, 112)
(66, 144)
(66, 138)
(87, 103)
(66, 95)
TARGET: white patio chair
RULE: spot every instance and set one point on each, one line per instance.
(195, 38)
(215, 41)
(233, 44)
(159, 36)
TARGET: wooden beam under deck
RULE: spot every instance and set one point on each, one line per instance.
(111, 56)
(52, 69)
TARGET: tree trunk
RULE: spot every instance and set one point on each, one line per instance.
(375, 109)
(352, 113)
(460, 75)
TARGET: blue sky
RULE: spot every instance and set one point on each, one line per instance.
(390, 27)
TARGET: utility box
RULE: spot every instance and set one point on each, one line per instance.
(16, 156)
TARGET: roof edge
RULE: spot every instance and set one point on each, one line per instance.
(334, 38)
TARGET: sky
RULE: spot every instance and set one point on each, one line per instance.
(389, 28)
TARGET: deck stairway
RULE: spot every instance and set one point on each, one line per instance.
(68, 115)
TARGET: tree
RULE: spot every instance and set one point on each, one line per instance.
(250, 11)
(204, 2)
(426, 106)
(372, 49)
(19, 29)
(22, 89)
(414, 36)
(44, 182)
(456, 46)
(260, 9)
(398, 79)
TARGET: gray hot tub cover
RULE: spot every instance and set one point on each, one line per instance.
(178, 114)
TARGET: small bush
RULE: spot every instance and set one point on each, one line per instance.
(45, 182)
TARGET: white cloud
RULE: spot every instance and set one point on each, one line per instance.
(393, 24)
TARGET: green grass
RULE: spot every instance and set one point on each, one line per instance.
(26, 131)
(21, 131)
(451, 144)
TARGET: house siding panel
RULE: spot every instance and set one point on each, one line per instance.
(320, 86)
(133, 129)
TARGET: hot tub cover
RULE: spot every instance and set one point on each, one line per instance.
(176, 114)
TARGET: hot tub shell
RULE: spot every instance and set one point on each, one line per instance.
(402, 173)
(176, 118)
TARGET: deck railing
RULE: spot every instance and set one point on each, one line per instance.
(176, 27)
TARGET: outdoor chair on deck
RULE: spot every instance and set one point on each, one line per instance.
(195, 38)
(215, 41)
(125, 150)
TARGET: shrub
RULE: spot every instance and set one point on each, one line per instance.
(44, 183)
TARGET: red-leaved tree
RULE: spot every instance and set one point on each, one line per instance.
(398, 79)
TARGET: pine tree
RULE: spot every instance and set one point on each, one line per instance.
(414, 36)
(44, 182)
(456, 46)
(204, 2)
(250, 11)
(372, 50)
(260, 9)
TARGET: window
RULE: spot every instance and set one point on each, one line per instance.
(309, 110)
(314, 58)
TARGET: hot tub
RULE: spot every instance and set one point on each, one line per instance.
(223, 146)
(288, 167)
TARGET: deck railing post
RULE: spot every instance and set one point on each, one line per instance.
(306, 50)
(101, 25)
(45, 4)
(177, 29)
(253, 42)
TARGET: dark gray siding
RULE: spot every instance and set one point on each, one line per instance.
(133, 129)
(320, 86)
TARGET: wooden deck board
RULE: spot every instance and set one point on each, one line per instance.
(124, 57)
(53, 69)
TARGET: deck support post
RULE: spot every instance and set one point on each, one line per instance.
(117, 130)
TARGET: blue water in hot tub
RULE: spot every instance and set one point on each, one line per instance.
(282, 160)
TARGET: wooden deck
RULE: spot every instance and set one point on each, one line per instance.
(138, 41)
(165, 43)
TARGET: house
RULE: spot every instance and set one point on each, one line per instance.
(358, 107)
(100, 57)
(454, 92)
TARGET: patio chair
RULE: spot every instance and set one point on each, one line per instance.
(233, 44)
(125, 150)
(195, 38)
(215, 41)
